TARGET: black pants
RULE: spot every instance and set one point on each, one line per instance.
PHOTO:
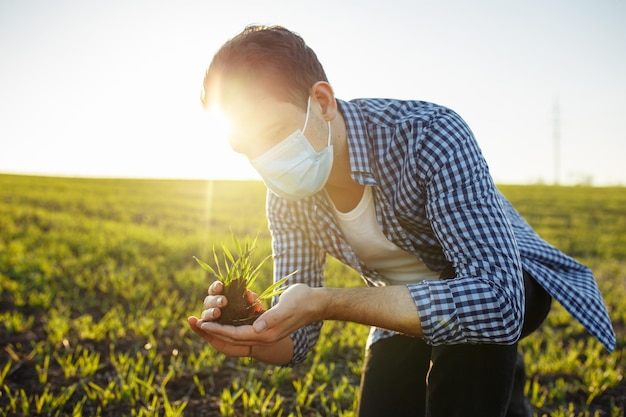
(403, 376)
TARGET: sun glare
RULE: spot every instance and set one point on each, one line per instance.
(220, 159)
(218, 124)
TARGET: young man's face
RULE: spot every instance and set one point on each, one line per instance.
(290, 147)
(258, 121)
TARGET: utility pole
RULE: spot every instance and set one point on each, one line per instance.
(556, 132)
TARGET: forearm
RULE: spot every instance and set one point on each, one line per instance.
(388, 307)
(299, 306)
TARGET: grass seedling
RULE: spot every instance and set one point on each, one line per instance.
(171, 409)
(81, 363)
(237, 272)
(42, 370)
(5, 371)
(199, 386)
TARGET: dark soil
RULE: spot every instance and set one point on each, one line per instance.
(239, 310)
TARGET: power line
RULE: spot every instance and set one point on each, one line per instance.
(556, 134)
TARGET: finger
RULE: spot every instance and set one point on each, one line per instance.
(258, 307)
(220, 345)
(269, 319)
(211, 314)
(216, 288)
(211, 301)
(193, 323)
(275, 324)
(216, 342)
(251, 298)
(233, 335)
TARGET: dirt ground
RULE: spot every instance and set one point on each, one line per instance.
(23, 375)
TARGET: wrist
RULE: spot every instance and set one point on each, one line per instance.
(322, 302)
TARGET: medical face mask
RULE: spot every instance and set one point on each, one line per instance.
(292, 169)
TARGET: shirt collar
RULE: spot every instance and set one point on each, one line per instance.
(358, 143)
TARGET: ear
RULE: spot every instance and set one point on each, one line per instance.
(322, 92)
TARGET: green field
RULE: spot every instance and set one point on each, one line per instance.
(97, 278)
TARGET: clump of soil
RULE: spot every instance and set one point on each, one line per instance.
(239, 310)
(237, 272)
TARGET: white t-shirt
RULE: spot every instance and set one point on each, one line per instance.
(362, 231)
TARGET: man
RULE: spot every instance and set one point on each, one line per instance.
(399, 191)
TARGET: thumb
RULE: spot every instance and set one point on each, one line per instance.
(268, 320)
(260, 325)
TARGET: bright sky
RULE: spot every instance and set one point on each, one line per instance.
(112, 88)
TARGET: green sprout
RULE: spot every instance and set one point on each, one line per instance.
(238, 273)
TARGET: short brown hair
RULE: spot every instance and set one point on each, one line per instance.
(274, 56)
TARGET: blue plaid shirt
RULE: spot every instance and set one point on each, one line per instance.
(434, 198)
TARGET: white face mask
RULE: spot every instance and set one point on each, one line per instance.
(292, 169)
